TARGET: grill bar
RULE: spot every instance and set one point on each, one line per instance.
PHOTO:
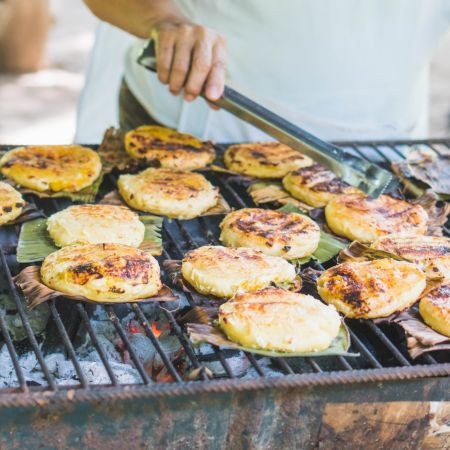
(378, 348)
(13, 354)
(68, 344)
(26, 323)
(121, 332)
(96, 343)
(155, 342)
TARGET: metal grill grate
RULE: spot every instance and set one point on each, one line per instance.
(379, 346)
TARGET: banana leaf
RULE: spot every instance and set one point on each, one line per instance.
(35, 292)
(206, 330)
(329, 246)
(113, 154)
(35, 243)
(272, 192)
(420, 338)
(437, 211)
(424, 169)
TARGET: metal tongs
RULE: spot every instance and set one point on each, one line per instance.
(357, 172)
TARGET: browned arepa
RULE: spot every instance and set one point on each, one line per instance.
(431, 253)
(11, 203)
(264, 159)
(53, 168)
(276, 233)
(167, 148)
(361, 218)
(315, 185)
(435, 309)
(371, 289)
(102, 272)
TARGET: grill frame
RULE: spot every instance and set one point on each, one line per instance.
(319, 377)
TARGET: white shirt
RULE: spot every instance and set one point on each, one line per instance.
(343, 69)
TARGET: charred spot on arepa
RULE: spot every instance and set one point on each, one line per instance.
(11, 203)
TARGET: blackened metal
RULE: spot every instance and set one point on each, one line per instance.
(26, 323)
(386, 341)
(13, 354)
(68, 344)
(96, 343)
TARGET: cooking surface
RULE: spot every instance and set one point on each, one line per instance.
(169, 355)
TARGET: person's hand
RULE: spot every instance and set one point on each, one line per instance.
(191, 58)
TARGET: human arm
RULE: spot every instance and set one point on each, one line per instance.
(190, 56)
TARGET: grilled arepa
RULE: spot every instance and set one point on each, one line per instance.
(315, 185)
(432, 253)
(264, 159)
(371, 289)
(435, 309)
(11, 203)
(275, 233)
(171, 193)
(163, 147)
(361, 218)
(279, 320)
(102, 272)
(223, 272)
(96, 224)
(52, 167)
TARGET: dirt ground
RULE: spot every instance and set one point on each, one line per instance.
(41, 107)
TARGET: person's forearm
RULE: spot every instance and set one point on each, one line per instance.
(190, 57)
(137, 17)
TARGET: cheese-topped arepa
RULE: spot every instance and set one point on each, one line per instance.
(102, 272)
(52, 167)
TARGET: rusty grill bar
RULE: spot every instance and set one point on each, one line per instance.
(380, 346)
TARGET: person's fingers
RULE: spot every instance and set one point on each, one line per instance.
(212, 106)
(200, 67)
(216, 79)
(164, 54)
(181, 61)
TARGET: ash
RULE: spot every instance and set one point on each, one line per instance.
(63, 371)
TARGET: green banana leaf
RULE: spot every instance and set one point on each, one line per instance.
(200, 333)
(328, 247)
(35, 243)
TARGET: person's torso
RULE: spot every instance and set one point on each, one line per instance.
(343, 69)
